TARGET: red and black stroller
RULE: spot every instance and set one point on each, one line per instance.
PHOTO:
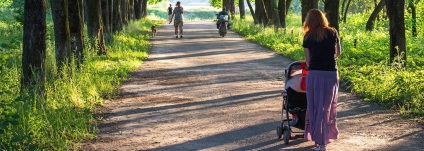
(294, 102)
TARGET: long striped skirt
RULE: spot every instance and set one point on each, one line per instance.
(322, 96)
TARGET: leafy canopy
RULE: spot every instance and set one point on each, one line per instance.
(216, 3)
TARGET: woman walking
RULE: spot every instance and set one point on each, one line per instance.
(321, 47)
(170, 13)
(178, 20)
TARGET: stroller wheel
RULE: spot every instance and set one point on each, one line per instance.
(287, 135)
(279, 132)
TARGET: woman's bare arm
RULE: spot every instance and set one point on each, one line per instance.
(338, 50)
(338, 46)
(307, 56)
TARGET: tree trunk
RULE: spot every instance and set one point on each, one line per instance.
(34, 45)
(396, 13)
(117, 20)
(61, 32)
(105, 16)
(82, 12)
(131, 11)
(288, 3)
(375, 5)
(144, 9)
(343, 6)
(85, 11)
(137, 9)
(331, 8)
(76, 28)
(268, 11)
(94, 26)
(374, 14)
(282, 12)
(128, 10)
(227, 5)
(232, 9)
(345, 13)
(255, 20)
(260, 12)
(274, 19)
(124, 12)
(242, 9)
(414, 17)
(306, 6)
(111, 13)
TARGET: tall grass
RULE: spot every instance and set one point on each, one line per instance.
(62, 117)
(365, 69)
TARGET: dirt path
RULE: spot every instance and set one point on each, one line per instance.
(204, 92)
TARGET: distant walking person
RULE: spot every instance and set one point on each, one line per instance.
(321, 47)
(170, 13)
(178, 19)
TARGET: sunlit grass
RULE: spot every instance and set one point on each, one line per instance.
(62, 117)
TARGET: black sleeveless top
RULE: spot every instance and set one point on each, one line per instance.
(169, 10)
(322, 53)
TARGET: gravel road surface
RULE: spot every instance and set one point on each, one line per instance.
(204, 92)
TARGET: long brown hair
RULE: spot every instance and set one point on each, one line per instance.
(315, 25)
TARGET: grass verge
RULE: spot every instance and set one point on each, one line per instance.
(62, 117)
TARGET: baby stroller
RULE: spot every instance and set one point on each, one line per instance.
(294, 101)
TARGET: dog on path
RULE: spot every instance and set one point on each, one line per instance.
(154, 31)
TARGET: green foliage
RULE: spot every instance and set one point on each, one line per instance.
(154, 1)
(189, 14)
(216, 3)
(5, 3)
(62, 117)
(365, 69)
(17, 6)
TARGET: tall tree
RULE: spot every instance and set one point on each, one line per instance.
(343, 6)
(76, 28)
(117, 20)
(306, 6)
(282, 12)
(413, 11)
(288, 3)
(255, 20)
(260, 12)
(144, 9)
(138, 9)
(131, 10)
(272, 13)
(232, 9)
(374, 14)
(34, 44)
(331, 8)
(396, 13)
(61, 32)
(95, 26)
(124, 11)
(227, 5)
(345, 11)
(242, 9)
(106, 16)
(111, 4)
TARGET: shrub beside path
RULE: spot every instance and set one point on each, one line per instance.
(204, 92)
